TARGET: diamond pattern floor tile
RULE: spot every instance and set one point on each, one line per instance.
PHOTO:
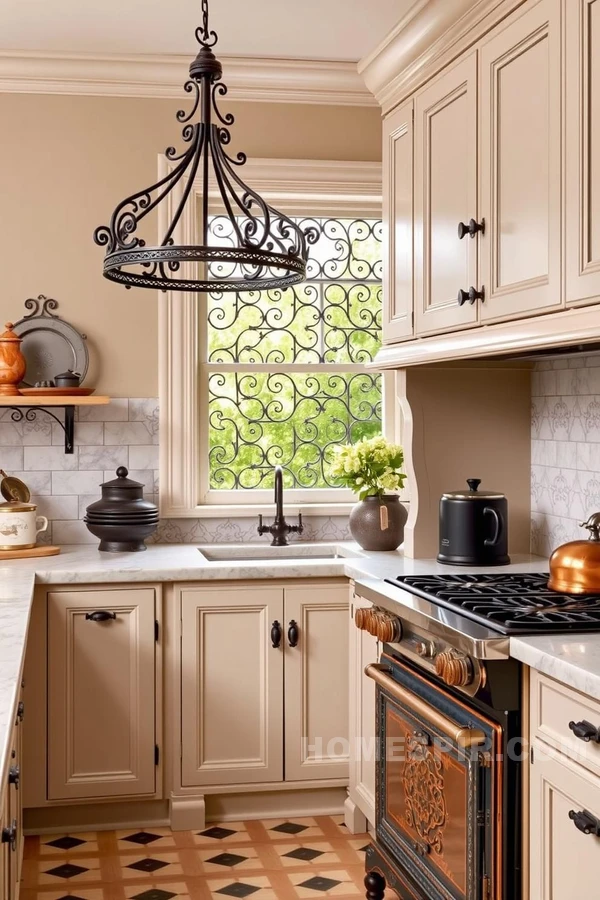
(276, 859)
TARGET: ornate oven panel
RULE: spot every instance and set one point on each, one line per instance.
(439, 783)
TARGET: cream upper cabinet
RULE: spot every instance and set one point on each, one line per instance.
(398, 272)
(445, 194)
(520, 184)
(101, 693)
(582, 21)
(363, 651)
(316, 682)
(231, 685)
(564, 861)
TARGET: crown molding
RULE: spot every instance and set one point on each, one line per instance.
(319, 82)
(425, 40)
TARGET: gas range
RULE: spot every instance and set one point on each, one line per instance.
(477, 613)
(511, 603)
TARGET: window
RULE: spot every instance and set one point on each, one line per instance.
(253, 380)
(285, 370)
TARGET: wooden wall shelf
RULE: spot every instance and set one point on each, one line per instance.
(27, 407)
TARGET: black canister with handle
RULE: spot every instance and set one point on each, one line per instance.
(473, 527)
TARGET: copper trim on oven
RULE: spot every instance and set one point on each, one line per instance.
(458, 734)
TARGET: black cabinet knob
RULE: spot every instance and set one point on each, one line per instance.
(585, 822)
(470, 296)
(9, 835)
(100, 615)
(472, 228)
(293, 633)
(14, 776)
(276, 634)
(585, 731)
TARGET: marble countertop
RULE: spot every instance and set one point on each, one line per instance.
(573, 659)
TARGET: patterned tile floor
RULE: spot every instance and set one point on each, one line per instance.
(273, 859)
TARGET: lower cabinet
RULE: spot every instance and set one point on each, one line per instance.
(316, 682)
(231, 685)
(263, 684)
(364, 649)
(101, 693)
(11, 822)
(91, 670)
(564, 860)
(564, 779)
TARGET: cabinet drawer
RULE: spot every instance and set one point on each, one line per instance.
(565, 861)
(553, 706)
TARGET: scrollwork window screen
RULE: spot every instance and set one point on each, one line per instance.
(283, 377)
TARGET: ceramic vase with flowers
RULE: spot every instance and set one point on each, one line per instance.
(372, 468)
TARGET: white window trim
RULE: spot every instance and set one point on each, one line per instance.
(310, 187)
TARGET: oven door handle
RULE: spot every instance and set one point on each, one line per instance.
(458, 734)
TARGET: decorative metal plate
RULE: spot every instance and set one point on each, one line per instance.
(51, 346)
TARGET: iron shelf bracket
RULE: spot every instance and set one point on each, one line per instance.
(29, 414)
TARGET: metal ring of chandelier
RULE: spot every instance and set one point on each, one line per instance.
(264, 249)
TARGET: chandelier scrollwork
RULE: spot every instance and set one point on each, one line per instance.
(270, 249)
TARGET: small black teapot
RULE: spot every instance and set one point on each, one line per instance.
(68, 379)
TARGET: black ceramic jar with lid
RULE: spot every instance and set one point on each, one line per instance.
(473, 527)
(122, 519)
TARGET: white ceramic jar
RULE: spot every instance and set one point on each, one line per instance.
(19, 525)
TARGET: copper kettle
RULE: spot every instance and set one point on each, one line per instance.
(575, 567)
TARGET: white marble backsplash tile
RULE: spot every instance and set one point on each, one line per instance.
(565, 449)
(124, 433)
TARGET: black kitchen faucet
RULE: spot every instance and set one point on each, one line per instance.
(279, 528)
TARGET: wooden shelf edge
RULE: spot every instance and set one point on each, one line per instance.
(93, 400)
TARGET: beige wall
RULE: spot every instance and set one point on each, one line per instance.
(64, 164)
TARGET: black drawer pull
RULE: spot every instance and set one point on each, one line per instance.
(585, 731)
(470, 296)
(100, 615)
(14, 776)
(9, 835)
(585, 822)
(276, 635)
(472, 228)
(293, 634)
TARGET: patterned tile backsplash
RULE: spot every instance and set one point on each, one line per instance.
(124, 433)
(565, 451)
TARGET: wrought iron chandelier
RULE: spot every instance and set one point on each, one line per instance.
(266, 248)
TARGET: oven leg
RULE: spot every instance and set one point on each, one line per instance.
(375, 885)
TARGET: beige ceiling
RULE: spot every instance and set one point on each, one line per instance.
(313, 29)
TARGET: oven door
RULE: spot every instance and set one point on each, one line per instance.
(439, 787)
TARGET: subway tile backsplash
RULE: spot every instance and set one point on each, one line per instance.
(565, 450)
(124, 433)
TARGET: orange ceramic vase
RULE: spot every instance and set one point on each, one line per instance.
(12, 362)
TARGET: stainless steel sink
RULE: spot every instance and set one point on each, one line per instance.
(251, 552)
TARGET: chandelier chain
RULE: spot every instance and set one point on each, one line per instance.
(205, 19)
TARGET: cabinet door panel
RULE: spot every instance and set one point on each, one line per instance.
(363, 651)
(316, 683)
(520, 166)
(445, 194)
(583, 151)
(101, 694)
(564, 862)
(398, 224)
(232, 686)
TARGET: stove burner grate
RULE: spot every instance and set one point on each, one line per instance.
(518, 603)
